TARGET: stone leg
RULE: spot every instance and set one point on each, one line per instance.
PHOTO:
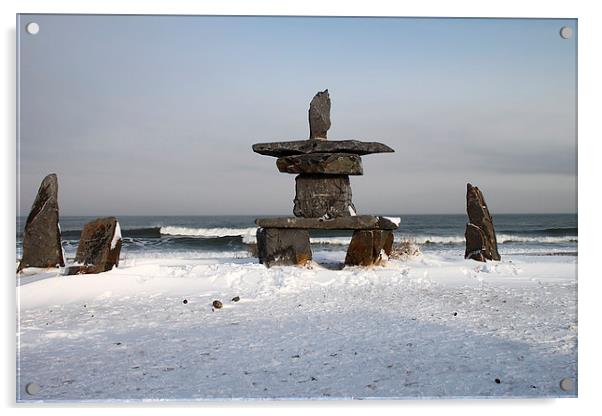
(368, 246)
(279, 246)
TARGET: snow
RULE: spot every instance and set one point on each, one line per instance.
(394, 220)
(432, 326)
(116, 235)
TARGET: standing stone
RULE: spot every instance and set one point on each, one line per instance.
(99, 247)
(368, 246)
(42, 235)
(285, 247)
(479, 217)
(319, 115)
(321, 196)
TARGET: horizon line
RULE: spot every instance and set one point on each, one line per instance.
(289, 215)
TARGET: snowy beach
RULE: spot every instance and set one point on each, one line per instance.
(435, 325)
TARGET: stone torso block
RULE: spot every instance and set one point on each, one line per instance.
(327, 196)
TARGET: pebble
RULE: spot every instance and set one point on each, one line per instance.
(217, 304)
(235, 298)
(185, 301)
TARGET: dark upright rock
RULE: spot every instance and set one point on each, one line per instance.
(99, 247)
(475, 243)
(479, 217)
(321, 196)
(324, 163)
(42, 236)
(285, 247)
(369, 247)
(319, 116)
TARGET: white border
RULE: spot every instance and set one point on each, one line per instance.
(589, 186)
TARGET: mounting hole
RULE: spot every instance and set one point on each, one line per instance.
(32, 28)
(566, 32)
(566, 384)
(32, 389)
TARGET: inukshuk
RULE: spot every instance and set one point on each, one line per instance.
(323, 196)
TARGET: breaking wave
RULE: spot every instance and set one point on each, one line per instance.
(247, 234)
(150, 232)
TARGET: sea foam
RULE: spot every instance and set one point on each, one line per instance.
(247, 234)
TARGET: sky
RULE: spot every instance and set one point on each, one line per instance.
(156, 115)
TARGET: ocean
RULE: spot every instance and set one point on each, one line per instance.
(229, 236)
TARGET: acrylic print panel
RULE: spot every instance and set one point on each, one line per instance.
(295, 208)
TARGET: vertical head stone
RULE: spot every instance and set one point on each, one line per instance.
(319, 116)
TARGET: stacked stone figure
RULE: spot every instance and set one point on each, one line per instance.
(323, 195)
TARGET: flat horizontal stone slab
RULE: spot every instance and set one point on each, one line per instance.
(358, 222)
(324, 163)
(299, 147)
